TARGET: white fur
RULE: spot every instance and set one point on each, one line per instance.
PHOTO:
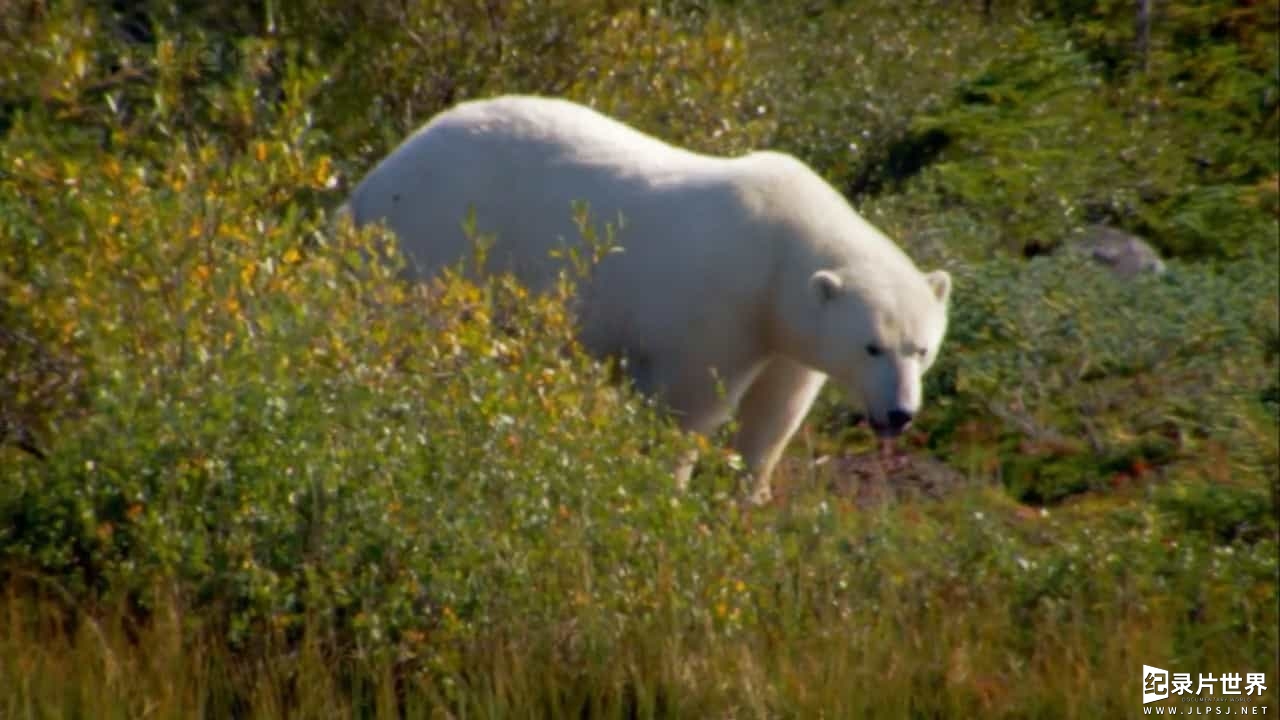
(751, 270)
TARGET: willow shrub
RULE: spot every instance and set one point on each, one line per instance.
(1083, 381)
(268, 419)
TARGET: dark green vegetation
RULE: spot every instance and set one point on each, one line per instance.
(276, 481)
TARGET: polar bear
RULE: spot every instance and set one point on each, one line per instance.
(741, 283)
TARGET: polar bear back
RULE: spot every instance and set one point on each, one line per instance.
(520, 164)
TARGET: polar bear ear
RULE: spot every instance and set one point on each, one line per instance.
(826, 285)
(940, 282)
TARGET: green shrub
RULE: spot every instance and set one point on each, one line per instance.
(1043, 139)
(284, 431)
(1084, 376)
(846, 81)
(1226, 510)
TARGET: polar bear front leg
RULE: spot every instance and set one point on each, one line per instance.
(770, 413)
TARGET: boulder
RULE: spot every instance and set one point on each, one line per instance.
(1125, 254)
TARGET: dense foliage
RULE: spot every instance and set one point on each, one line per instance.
(245, 468)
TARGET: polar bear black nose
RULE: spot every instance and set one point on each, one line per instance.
(899, 419)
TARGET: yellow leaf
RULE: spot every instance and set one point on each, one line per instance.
(79, 62)
(260, 151)
(322, 175)
(291, 256)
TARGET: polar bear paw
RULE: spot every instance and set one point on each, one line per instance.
(761, 495)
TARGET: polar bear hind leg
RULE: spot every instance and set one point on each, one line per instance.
(700, 403)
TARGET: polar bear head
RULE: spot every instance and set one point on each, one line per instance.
(878, 335)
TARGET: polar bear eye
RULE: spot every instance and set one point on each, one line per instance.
(873, 350)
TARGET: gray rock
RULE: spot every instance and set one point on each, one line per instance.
(1124, 254)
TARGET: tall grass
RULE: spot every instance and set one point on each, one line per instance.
(940, 610)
